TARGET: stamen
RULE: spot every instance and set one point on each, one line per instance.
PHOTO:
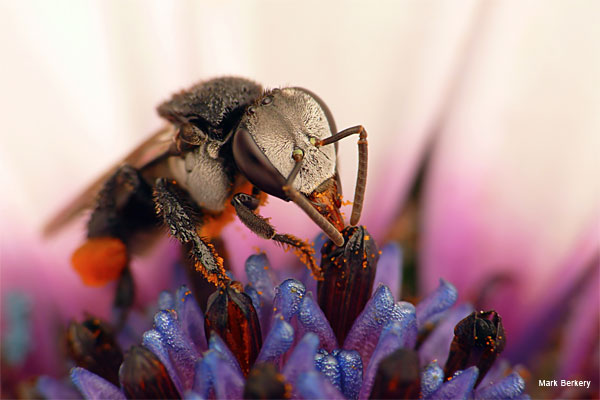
(264, 382)
(143, 376)
(478, 340)
(232, 316)
(349, 272)
(398, 376)
(92, 346)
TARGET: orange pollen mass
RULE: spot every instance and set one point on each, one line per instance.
(100, 260)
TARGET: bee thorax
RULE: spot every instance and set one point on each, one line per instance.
(203, 177)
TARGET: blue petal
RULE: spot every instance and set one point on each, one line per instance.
(257, 302)
(165, 300)
(439, 301)
(404, 313)
(392, 338)
(220, 347)
(288, 298)
(499, 370)
(508, 388)
(312, 385)
(228, 383)
(459, 387)
(191, 318)
(51, 388)
(309, 281)
(302, 358)
(263, 307)
(204, 380)
(260, 276)
(261, 288)
(94, 387)
(431, 379)
(182, 352)
(153, 341)
(389, 269)
(279, 339)
(311, 319)
(328, 366)
(191, 395)
(368, 325)
(351, 371)
(437, 344)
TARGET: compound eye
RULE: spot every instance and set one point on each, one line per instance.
(255, 165)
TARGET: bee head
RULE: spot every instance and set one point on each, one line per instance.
(281, 123)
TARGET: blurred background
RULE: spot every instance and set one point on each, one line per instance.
(500, 98)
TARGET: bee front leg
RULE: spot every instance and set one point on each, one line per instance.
(182, 218)
(245, 207)
(361, 175)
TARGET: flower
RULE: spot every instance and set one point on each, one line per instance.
(389, 348)
(507, 88)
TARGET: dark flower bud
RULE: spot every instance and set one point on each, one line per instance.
(349, 272)
(264, 382)
(232, 316)
(478, 339)
(93, 346)
(398, 376)
(143, 376)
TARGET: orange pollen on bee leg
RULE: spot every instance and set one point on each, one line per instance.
(100, 260)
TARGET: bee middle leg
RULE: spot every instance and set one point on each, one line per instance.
(182, 218)
(245, 207)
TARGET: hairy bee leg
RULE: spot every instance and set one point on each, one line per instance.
(180, 216)
(124, 298)
(245, 207)
(306, 206)
(361, 175)
(124, 206)
(104, 255)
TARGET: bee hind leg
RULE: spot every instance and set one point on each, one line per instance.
(182, 218)
(123, 207)
(245, 207)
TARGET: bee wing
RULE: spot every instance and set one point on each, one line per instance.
(155, 148)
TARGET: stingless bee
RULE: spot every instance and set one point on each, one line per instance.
(228, 144)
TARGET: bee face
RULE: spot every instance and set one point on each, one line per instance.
(278, 124)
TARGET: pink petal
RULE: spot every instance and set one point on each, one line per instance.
(95, 93)
(511, 187)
